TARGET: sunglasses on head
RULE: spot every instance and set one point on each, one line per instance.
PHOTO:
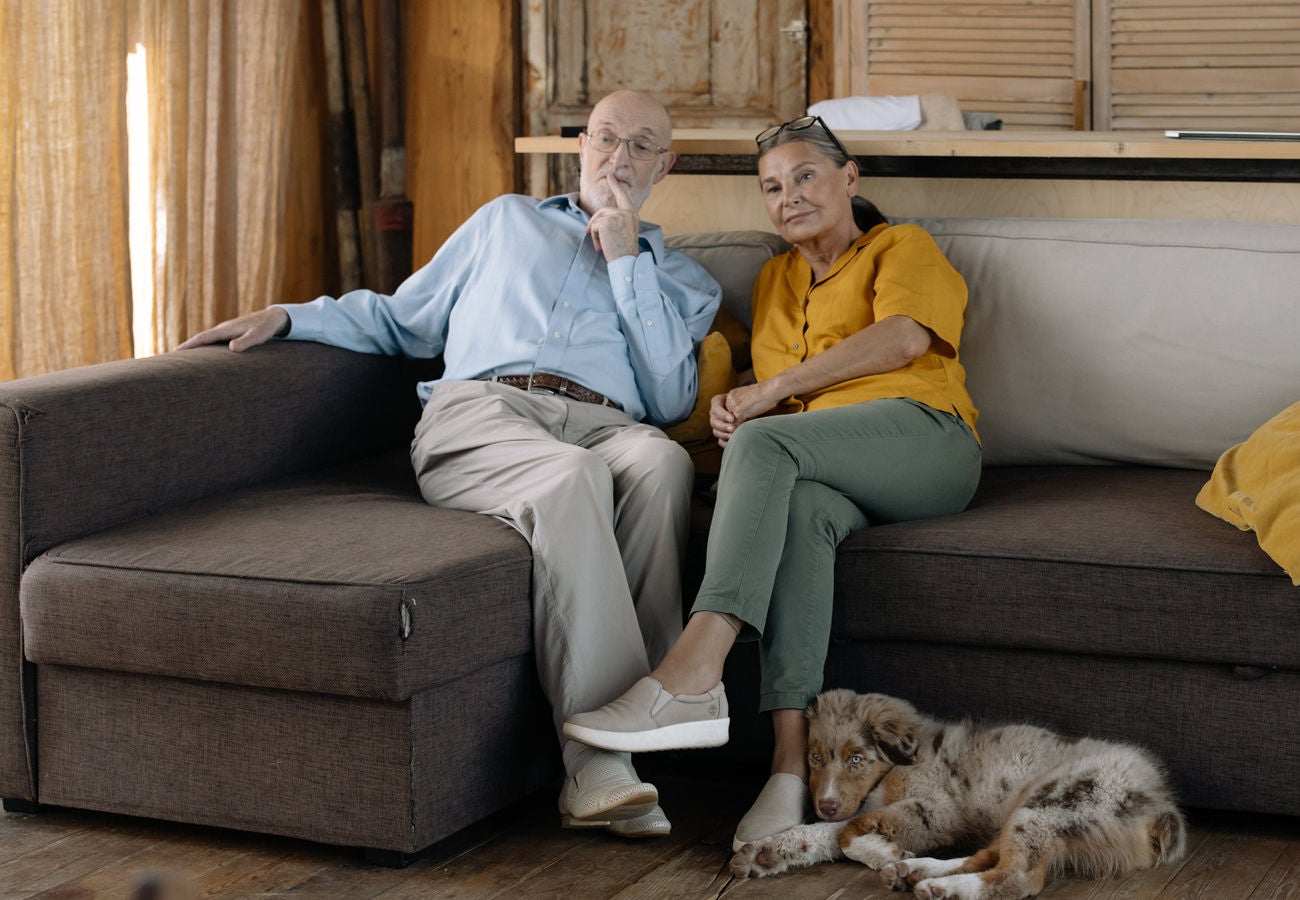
(800, 124)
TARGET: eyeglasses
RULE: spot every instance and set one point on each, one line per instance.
(637, 147)
(800, 124)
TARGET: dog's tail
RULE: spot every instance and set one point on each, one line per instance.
(1168, 835)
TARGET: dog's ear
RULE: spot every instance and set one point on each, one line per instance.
(891, 726)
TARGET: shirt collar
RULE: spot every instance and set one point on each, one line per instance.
(651, 235)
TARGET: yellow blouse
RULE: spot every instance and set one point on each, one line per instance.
(891, 270)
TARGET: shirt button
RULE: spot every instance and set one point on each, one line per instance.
(650, 323)
(582, 267)
(628, 279)
(566, 304)
(555, 334)
(796, 347)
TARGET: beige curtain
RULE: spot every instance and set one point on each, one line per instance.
(65, 289)
(219, 77)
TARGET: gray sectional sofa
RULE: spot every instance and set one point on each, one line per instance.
(223, 601)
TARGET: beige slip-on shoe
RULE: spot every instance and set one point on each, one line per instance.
(606, 790)
(649, 718)
(780, 806)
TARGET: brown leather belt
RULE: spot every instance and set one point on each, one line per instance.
(554, 384)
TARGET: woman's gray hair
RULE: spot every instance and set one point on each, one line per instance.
(865, 213)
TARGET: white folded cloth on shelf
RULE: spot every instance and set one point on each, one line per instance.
(870, 113)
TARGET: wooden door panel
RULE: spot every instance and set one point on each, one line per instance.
(713, 63)
(1026, 60)
(1231, 65)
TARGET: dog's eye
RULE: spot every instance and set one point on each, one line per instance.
(815, 758)
(855, 760)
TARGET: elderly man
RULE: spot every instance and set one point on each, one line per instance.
(565, 327)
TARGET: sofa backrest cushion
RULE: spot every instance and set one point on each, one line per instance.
(734, 258)
(1101, 340)
(1125, 341)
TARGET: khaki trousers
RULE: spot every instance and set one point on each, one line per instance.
(603, 501)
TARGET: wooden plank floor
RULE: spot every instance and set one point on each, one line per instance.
(72, 855)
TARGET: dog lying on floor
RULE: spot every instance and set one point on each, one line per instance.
(893, 785)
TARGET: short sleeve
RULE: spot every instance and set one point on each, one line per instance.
(915, 279)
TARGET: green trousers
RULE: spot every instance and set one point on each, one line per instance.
(791, 488)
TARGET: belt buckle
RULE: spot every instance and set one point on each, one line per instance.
(534, 387)
(538, 388)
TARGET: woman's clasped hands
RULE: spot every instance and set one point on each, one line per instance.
(729, 411)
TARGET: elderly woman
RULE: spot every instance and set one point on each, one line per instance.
(857, 413)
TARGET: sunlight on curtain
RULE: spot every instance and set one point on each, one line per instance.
(219, 88)
(137, 126)
(64, 282)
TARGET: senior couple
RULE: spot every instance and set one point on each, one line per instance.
(569, 333)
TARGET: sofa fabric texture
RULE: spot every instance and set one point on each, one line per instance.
(343, 582)
(1075, 560)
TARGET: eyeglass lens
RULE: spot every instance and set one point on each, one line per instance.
(637, 148)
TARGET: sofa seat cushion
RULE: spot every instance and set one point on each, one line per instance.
(343, 582)
(1116, 561)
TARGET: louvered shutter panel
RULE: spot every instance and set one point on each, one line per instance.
(1021, 59)
(1226, 65)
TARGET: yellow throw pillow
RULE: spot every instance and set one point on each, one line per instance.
(715, 377)
(1256, 486)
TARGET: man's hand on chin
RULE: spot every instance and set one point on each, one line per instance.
(614, 229)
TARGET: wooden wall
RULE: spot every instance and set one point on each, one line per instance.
(309, 233)
(462, 111)
(461, 85)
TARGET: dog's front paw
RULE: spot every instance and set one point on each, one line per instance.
(894, 876)
(802, 845)
(769, 856)
(873, 851)
(950, 887)
(905, 874)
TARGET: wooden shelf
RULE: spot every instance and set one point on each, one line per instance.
(997, 154)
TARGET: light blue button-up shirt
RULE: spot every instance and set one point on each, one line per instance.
(520, 288)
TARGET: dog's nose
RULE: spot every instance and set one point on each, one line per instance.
(828, 808)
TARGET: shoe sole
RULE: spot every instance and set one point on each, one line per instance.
(632, 806)
(567, 821)
(643, 833)
(683, 736)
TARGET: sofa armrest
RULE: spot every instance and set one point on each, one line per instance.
(87, 448)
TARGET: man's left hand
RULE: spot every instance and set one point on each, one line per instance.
(614, 229)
